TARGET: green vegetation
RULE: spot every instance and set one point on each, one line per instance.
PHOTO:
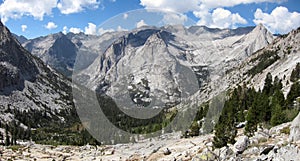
(76, 135)
(266, 107)
(233, 112)
(197, 124)
(225, 130)
(286, 130)
(131, 124)
(295, 76)
(293, 94)
(265, 60)
(45, 127)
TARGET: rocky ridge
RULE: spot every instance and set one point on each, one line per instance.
(29, 88)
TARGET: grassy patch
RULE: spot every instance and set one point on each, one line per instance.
(15, 147)
(285, 130)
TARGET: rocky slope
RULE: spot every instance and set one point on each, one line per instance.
(279, 58)
(60, 50)
(31, 93)
(159, 61)
(20, 38)
(272, 144)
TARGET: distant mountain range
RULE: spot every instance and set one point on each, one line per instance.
(101, 60)
(147, 67)
(170, 63)
(60, 50)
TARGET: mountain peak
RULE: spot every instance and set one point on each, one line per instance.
(262, 32)
(4, 33)
(260, 27)
(17, 65)
(155, 39)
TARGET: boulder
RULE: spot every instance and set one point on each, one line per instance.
(241, 125)
(242, 144)
(277, 130)
(167, 152)
(267, 149)
(295, 129)
(252, 151)
(225, 153)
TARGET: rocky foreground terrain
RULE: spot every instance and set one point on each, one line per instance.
(280, 143)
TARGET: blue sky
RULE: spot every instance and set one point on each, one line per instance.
(33, 18)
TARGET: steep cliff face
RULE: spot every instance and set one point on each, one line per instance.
(175, 61)
(60, 51)
(16, 64)
(28, 85)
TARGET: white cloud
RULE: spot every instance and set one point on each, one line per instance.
(18, 8)
(219, 18)
(74, 6)
(50, 26)
(280, 20)
(13, 9)
(23, 27)
(205, 10)
(65, 30)
(140, 24)
(231, 3)
(90, 29)
(103, 31)
(75, 30)
(171, 5)
(113, 0)
(196, 5)
(125, 16)
(174, 19)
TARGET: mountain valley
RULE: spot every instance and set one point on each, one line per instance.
(173, 67)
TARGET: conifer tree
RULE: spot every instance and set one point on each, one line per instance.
(293, 94)
(268, 86)
(295, 76)
(7, 140)
(277, 115)
(225, 130)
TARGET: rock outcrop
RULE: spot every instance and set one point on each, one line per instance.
(295, 129)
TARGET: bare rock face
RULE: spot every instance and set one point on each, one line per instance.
(295, 129)
(27, 84)
(60, 51)
(9, 75)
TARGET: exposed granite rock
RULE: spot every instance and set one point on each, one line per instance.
(295, 129)
(242, 144)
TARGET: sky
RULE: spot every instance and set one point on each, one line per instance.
(33, 18)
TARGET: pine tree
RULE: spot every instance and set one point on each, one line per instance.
(225, 130)
(256, 113)
(264, 108)
(295, 76)
(293, 94)
(268, 86)
(277, 84)
(278, 98)
(28, 133)
(7, 140)
(194, 129)
(277, 115)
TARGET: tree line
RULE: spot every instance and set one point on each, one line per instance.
(266, 107)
